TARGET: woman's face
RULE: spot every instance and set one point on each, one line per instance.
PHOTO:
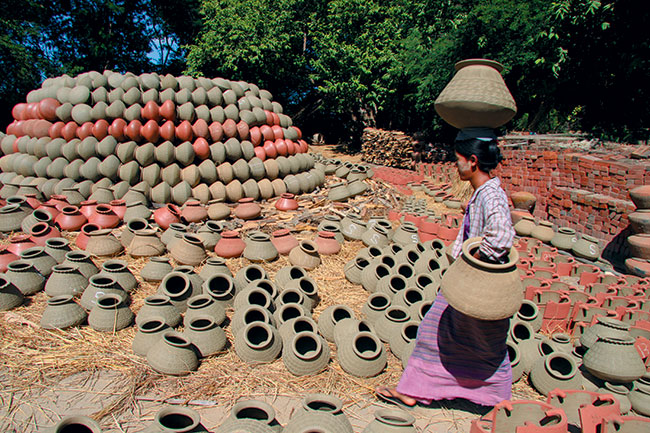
(465, 166)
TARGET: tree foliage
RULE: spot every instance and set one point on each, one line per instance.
(341, 65)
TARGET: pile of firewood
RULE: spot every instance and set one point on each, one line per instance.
(389, 148)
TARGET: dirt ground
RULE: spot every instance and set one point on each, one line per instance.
(46, 375)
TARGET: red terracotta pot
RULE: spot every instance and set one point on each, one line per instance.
(151, 131)
(55, 130)
(184, 131)
(283, 241)
(267, 133)
(32, 110)
(286, 202)
(18, 112)
(304, 147)
(275, 119)
(118, 207)
(200, 128)
(291, 147)
(247, 209)
(100, 129)
(32, 201)
(230, 245)
(87, 207)
(164, 216)
(327, 243)
(104, 217)
(84, 234)
(41, 128)
(134, 130)
(168, 131)
(12, 128)
(194, 212)
(70, 219)
(429, 227)
(242, 130)
(19, 243)
(50, 208)
(229, 128)
(260, 153)
(269, 117)
(277, 131)
(6, 257)
(216, 131)
(40, 232)
(28, 127)
(639, 245)
(281, 147)
(255, 135)
(69, 131)
(394, 215)
(270, 150)
(298, 131)
(201, 148)
(85, 130)
(60, 201)
(168, 110)
(151, 111)
(117, 129)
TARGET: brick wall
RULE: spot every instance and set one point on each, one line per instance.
(584, 191)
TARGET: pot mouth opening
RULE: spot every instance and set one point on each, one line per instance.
(255, 313)
(411, 296)
(152, 324)
(561, 366)
(379, 301)
(397, 283)
(56, 242)
(175, 339)
(109, 301)
(308, 246)
(136, 224)
(175, 421)
(253, 273)
(199, 301)
(19, 266)
(201, 323)
(176, 284)
(306, 346)
(340, 313)
(291, 296)
(521, 331)
(156, 300)
(114, 266)
(219, 286)
(77, 256)
(259, 297)
(258, 335)
(60, 300)
(405, 270)
(290, 311)
(397, 314)
(297, 272)
(302, 324)
(393, 417)
(366, 346)
(307, 287)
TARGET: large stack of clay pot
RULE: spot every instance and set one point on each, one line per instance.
(639, 242)
(178, 137)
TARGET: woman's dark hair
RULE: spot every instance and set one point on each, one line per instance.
(487, 152)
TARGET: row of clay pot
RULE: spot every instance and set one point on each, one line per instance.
(639, 242)
(317, 412)
(604, 360)
(566, 239)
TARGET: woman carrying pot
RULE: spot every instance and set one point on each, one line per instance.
(455, 355)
